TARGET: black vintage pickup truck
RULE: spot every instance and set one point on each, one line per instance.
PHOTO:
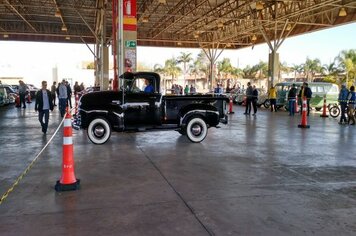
(140, 106)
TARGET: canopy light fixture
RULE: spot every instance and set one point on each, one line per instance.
(162, 1)
(145, 19)
(179, 43)
(220, 25)
(289, 27)
(228, 45)
(5, 35)
(64, 28)
(58, 13)
(67, 38)
(259, 6)
(254, 38)
(342, 12)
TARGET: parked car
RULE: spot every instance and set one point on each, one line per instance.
(240, 98)
(133, 109)
(3, 96)
(15, 87)
(11, 94)
(32, 89)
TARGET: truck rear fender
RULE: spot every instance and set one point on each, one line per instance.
(207, 112)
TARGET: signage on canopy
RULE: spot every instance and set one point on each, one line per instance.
(130, 21)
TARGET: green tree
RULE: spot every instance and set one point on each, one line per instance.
(311, 67)
(347, 65)
(331, 72)
(185, 58)
(297, 69)
(203, 63)
(225, 68)
(171, 68)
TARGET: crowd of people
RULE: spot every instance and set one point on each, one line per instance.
(46, 99)
(178, 89)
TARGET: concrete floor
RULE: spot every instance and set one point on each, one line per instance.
(255, 176)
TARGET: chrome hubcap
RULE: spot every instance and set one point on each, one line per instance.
(99, 131)
(196, 129)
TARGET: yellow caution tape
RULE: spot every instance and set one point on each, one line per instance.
(6, 194)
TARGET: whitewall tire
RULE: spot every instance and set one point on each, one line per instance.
(196, 130)
(99, 131)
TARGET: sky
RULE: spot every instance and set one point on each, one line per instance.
(35, 61)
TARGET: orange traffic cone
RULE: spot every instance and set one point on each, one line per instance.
(324, 108)
(296, 109)
(304, 123)
(68, 181)
(230, 106)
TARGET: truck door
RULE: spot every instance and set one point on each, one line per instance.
(141, 107)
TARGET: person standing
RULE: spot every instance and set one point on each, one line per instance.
(69, 94)
(291, 99)
(43, 104)
(22, 93)
(249, 96)
(343, 103)
(272, 95)
(192, 89)
(186, 89)
(76, 88)
(305, 91)
(254, 100)
(53, 92)
(82, 87)
(62, 97)
(351, 98)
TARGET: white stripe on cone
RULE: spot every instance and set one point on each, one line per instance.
(67, 140)
(67, 123)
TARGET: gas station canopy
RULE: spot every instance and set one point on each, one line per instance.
(173, 23)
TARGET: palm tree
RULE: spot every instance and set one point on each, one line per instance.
(330, 71)
(298, 69)
(225, 67)
(204, 66)
(261, 71)
(347, 64)
(184, 58)
(311, 67)
(284, 68)
(171, 68)
(250, 72)
(195, 70)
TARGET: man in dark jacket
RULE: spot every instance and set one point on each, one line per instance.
(291, 99)
(69, 95)
(44, 103)
(305, 91)
(254, 99)
(249, 98)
